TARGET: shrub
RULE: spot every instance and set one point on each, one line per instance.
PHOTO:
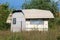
(4, 26)
(4, 12)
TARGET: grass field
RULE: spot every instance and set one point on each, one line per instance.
(32, 35)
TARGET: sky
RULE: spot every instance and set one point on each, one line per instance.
(16, 4)
(13, 3)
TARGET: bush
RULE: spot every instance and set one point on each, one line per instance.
(51, 23)
(4, 26)
(58, 21)
(55, 23)
(4, 12)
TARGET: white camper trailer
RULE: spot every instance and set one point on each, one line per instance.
(29, 19)
(18, 21)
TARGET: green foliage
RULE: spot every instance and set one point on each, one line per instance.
(4, 26)
(58, 21)
(4, 12)
(41, 4)
(16, 36)
(54, 23)
(31, 35)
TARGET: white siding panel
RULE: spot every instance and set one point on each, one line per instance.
(41, 26)
(46, 25)
(30, 26)
(28, 29)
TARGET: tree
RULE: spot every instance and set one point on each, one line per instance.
(4, 12)
(41, 4)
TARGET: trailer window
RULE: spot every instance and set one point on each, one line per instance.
(37, 22)
(14, 20)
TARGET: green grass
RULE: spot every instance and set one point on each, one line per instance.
(32, 35)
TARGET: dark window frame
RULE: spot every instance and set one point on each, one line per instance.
(14, 20)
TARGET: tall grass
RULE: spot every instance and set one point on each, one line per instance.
(31, 35)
